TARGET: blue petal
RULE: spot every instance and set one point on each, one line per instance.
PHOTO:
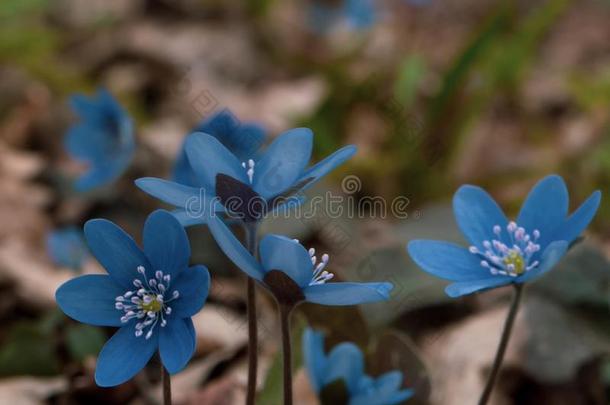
(322, 168)
(115, 250)
(123, 356)
(385, 390)
(187, 219)
(388, 388)
(176, 343)
(208, 157)
(102, 174)
(360, 14)
(468, 287)
(90, 299)
(283, 162)
(550, 257)
(347, 362)
(579, 220)
(314, 357)
(166, 244)
(234, 250)
(193, 286)
(389, 382)
(197, 202)
(86, 144)
(285, 254)
(347, 293)
(375, 399)
(241, 139)
(283, 208)
(446, 260)
(545, 207)
(103, 138)
(67, 247)
(182, 172)
(476, 214)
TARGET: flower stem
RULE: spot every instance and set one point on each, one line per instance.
(167, 386)
(508, 327)
(251, 244)
(285, 311)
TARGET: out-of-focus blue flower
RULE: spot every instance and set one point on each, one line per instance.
(66, 247)
(357, 14)
(346, 362)
(247, 189)
(242, 139)
(150, 294)
(292, 273)
(502, 251)
(103, 139)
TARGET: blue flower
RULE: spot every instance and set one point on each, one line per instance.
(150, 294)
(66, 247)
(241, 139)
(247, 189)
(292, 273)
(358, 14)
(346, 362)
(502, 251)
(103, 139)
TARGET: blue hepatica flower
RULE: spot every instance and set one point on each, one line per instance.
(150, 294)
(292, 273)
(358, 14)
(242, 139)
(247, 189)
(103, 139)
(345, 362)
(67, 248)
(502, 251)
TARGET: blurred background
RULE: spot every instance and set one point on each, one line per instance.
(435, 93)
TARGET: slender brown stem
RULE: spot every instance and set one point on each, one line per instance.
(251, 243)
(508, 327)
(285, 311)
(167, 386)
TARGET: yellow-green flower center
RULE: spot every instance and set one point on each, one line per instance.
(153, 306)
(512, 253)
(148, 302)
(516, 260)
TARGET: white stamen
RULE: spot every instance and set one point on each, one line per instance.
(511, 259)
(147, 302)
(319, 276)
(249, 169)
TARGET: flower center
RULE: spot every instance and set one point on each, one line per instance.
(249, 166)
(147, 302)
(152, 304)
(512, 259)
(320, 276)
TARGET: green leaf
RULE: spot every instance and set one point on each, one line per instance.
(84, 340)
(411, 72)
(28, 350)
(271, 393)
